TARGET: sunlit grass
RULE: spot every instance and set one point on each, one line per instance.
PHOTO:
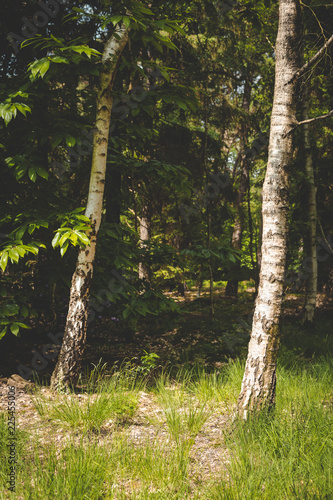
(115, 397)
(286, 455)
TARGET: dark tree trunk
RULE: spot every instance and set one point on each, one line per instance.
(113, 195)
(237, 235)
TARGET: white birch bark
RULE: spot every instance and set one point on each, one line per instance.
(258, 386)
(145, 226)
(69, 363)
(259, 381)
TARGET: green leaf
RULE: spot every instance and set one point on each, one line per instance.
(14, 255)
(84, 48)
(160, 23)
(10, 161)
(115, 19)
(56, 239)
(70, 141)
(41, 66)
(168, 29)
(20, 232)
(165, 74)
(32, 174)
(74, 238)
(10, 310)
(126, 21)
(84, 238)
(158, 46)
(59, 59)
(23, 108)
(63, 249)
(181, 104)
(4, 261)
(24, 311)
(6, 112)
(21, 251)
(3, 333)
(42, 173)
(20, 170)
(14, 328)
(64, 237)
(135, 111)
(44, 67)
(23, 325)
(141, 8)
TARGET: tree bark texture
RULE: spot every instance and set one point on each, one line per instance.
(310, 239)
(258, 386)
(68, 366)
(145, 225)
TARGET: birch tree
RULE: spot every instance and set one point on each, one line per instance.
(259, 381)
(69, 363)
(145, 230)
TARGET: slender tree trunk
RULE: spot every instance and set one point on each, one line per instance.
(310, 242)
(68, 366)
(254, 263)
(145, 228)
(211, 277)
(258, 386)
(258, 248)
(237, 235)
(113, 195)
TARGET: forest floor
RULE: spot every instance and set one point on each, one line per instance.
(145, 427)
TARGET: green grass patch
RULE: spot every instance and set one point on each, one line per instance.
(286, 455)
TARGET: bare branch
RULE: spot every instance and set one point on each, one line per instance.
(324, 237)
(297, 124)
(313, 60)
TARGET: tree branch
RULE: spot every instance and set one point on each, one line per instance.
(300, 72)
(297, 124)
(324, 237)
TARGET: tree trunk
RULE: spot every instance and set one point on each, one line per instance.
(145, 225)
(113, 195)
(68, 366)
(258, 248)
(237, 235)
(310, 239)
(258, 386)
(211, 277)
(254, 263)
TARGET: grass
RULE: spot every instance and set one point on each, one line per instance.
(113, 398)
(287, 455)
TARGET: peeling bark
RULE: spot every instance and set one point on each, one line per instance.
(68, 366)
(259, 381)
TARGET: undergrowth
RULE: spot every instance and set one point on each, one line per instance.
(287, 455)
